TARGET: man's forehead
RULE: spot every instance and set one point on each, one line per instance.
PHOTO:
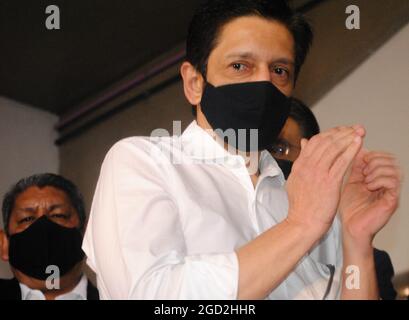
(251, 35)
(291, 131)
(34, 196)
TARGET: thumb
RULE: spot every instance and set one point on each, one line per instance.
(303, 143)
(355, 170)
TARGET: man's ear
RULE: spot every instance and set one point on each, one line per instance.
(4, 246)
(193, 83)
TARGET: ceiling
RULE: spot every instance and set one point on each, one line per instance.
(102, 41)
(99, 43)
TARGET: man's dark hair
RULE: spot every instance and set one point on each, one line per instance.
(42, 181)
(212, 15)
(305, 118)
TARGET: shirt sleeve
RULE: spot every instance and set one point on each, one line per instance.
(134, 239)
(327, 257)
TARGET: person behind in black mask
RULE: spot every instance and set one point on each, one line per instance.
(302, 124)
(44, 220)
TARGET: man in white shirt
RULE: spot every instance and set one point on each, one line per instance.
(204, 217)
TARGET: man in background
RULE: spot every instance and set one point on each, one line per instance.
(44, 221)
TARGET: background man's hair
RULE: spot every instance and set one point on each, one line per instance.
(305, 118)
(212, 15)
(41, 181)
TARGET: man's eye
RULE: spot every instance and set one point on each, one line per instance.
(238, 66)
(26, 219)
(60, 216)
(279, 150)
(281, 71)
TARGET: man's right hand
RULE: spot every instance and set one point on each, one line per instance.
(315, 183)
(314, 189)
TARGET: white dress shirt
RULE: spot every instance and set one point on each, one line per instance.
(78, 293)
(169, 213)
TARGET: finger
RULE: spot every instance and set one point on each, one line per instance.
(392, 197)
(378, 162)
(383, 182)
(319, 144)
(377, 154)
(390, 171)
(317, 139)
(337, 147)
(359, 164)
(341, 164)
(360, 129)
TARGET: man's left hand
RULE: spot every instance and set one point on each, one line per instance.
(370, 195)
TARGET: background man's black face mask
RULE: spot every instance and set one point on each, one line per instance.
(45, 243)
(252, 105)
(285, 166)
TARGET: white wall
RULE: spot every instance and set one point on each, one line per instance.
(376, 95)
(26, 147)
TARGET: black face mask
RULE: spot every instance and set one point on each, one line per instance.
(45, 243)
(285, 166)
(253, 105)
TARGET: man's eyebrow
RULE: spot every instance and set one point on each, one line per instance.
(34, 208)
(240, 55)
(57, 206)
(27, 209)
(250, 55)
(284, 61)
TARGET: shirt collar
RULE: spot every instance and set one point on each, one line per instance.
(269, 167)
(78, 293)
(200, 145)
